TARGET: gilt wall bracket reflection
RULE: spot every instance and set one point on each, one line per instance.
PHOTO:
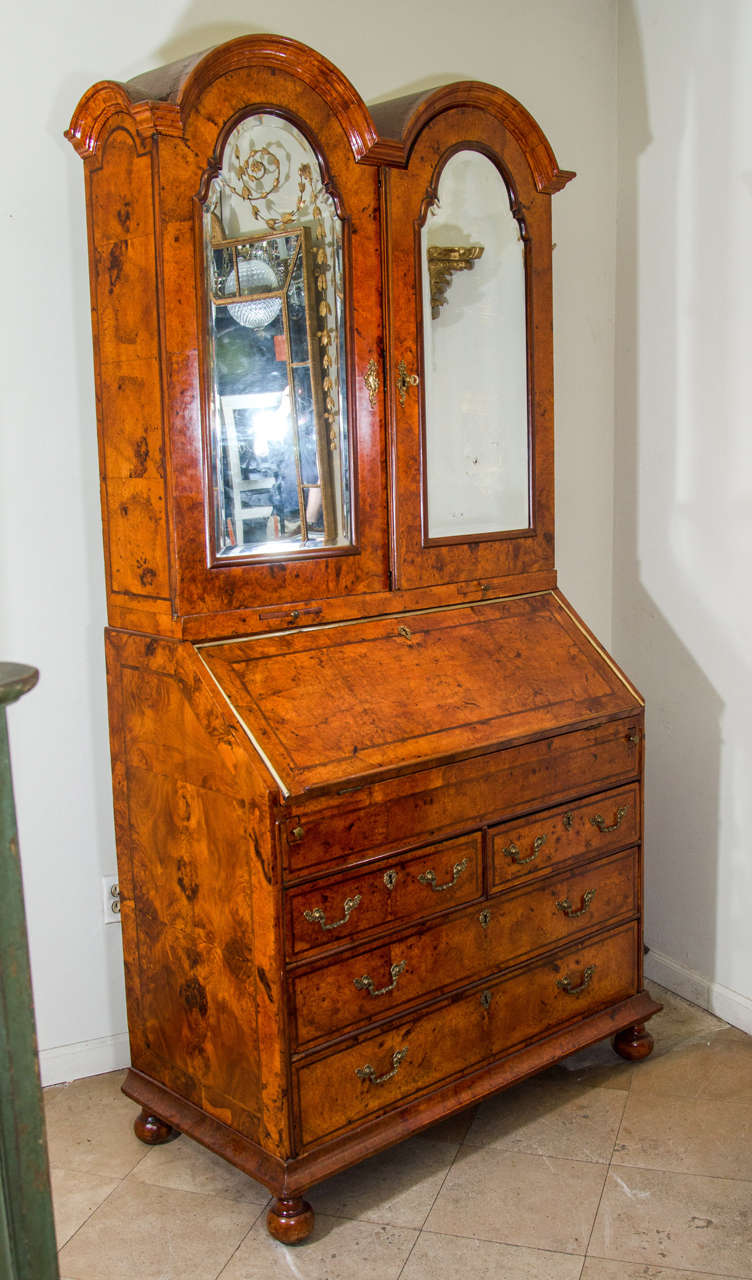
(443, 262)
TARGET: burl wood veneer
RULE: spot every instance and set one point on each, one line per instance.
(379, 804)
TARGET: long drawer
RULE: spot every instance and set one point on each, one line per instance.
(398, 890)
(481, 940)
(532, 846)
(383, 1069)
(469, 794)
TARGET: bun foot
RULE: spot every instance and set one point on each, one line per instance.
(290, 1221)
(152, 1130)
(633, 1043)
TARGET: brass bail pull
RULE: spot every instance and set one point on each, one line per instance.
(429, 877)
(566, 908)
(570, 988)
(514, 852)
(318, 915)
(367, 983)
(601, 824)
(368, 1073)
(405, 380)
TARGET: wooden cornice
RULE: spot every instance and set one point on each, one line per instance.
(400, 121)
(284, 54)
(160, 101)
(104, 100)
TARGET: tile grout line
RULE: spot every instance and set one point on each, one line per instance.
(681, 1173)
(717, 1275)
(609, 1162)
(226, 1263)
(460, 1145)
(89, 1216)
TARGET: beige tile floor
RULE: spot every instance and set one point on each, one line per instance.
(595, 1170)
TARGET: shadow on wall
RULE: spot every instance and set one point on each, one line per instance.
(674, 482)
(193, 35)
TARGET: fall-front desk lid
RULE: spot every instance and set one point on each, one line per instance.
(365, 700)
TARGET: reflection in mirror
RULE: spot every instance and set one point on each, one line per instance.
(279, 438)
(475, 355)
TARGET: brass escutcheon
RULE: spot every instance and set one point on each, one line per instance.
(405, 380)
(367, 984)
(566, 983)
(485, 999)
(318, 915)
(405, 632)
(485, 918)
(568, 819)
(513, 851)
(566, 908)
(600, 822)
(371, 379)
(390, 879)
(367, 1072)
(429, 877)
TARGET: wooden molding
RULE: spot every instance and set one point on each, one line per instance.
(399, 123)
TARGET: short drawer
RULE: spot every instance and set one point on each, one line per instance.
(482, 940)
(471, 793)
(399, 890)
(383, 1069)
(533, 846)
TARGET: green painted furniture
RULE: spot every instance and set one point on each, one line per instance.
(27, 1234)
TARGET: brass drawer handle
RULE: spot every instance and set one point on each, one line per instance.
(429, 877)
(633, 736)
(318, 915)
(513, 851)
(367, 1072)
(565, 905)
(296, 834)
(566, 983)
(367, 984)
(600, 822)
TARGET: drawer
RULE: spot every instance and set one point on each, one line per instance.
(384, 1069)
(532, 846)
(375, 982)
(438, 877)
(406, 811)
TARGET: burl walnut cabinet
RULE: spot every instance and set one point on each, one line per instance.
(378, 790)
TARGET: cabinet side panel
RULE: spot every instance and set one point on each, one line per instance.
(126, 349)
(197, 865)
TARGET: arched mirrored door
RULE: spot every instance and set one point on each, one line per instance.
(471, 426)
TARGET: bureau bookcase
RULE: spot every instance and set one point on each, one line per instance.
(378, 790)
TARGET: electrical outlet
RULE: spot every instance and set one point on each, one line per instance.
(111, 899)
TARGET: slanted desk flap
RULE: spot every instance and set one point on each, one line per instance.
(372, 699)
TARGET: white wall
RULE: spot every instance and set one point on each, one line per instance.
(683, 511)
(559, 58)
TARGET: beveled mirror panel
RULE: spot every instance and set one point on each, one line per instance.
(279, 447)
(477, 461)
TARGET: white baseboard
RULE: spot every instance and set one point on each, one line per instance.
(730, 1005)
(87, 1058)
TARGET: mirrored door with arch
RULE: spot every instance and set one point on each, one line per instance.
(471, 376)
